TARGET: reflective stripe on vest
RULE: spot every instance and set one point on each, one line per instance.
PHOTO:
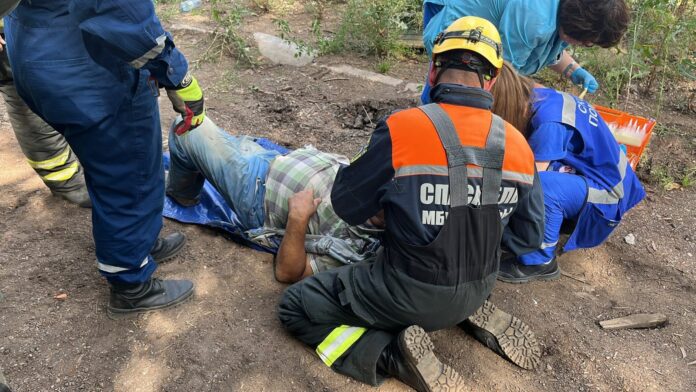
(441, 170)
(603, 196)
(338, 342)
(594, 195)
(489, 158)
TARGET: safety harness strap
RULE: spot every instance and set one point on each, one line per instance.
(458, 157)
(493, 174)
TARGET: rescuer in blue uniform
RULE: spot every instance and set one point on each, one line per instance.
(535, 33)
(587, 181)
(91, 70)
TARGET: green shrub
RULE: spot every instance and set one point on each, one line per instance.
(373, 27)
(659, 48)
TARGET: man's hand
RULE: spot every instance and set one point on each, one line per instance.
(187, 100)
(302, 205)
(291, 262)
(2, 42)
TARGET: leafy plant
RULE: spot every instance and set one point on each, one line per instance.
(226, 38)
(659, 49)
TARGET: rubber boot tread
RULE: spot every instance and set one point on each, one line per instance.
(435, 376)
(514, 337)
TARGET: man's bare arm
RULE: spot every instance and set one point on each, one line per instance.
(291, 263)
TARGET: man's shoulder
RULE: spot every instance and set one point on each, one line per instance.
(405, 113)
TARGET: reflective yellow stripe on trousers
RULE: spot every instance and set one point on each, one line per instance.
(63, 174)
(52, 163)
(338, 342)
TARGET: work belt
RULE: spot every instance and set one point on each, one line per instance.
(467, 248)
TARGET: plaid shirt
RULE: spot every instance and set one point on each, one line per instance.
(309, 168)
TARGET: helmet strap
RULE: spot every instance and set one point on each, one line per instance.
(445, 65)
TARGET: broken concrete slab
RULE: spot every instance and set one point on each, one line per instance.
(367, 75)
(634, 321)
(413, 87)
(280, 51)
(190, 28)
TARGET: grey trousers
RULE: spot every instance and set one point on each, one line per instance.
(46, 150)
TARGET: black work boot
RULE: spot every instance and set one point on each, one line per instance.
(151, 295)
(168, 247)
(79, 196)
(410, 359)
(512, 271)
(505, 334)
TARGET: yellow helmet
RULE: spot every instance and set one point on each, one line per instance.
(472, 33)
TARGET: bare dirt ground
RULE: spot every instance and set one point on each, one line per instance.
(228, 338)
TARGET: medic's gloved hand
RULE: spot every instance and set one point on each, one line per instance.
(581, 76)
(187, 99)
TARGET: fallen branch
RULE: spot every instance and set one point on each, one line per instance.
(567, 275)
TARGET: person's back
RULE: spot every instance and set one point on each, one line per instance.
(527, 28)
(568, 131)
(408, 159)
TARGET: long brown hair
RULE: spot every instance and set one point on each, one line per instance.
(512, 97)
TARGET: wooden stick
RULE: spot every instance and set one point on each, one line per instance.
(642, 320)
(567, 275)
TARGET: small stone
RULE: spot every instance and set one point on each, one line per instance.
(630, 239)
(359, 122)
(548, 368)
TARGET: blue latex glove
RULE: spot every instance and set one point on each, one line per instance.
(581, 76)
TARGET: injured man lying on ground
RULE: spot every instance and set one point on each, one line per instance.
(282, 202)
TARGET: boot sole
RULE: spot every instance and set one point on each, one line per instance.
(514, 338)
(119, 314)
(435, 376)
(554, 275)
(174, 253)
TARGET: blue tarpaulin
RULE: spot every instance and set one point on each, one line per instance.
(213, 210)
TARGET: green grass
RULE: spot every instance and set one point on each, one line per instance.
(226, 39)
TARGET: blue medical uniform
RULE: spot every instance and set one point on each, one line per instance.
(589, 181)
(527, 29)
(83, 66)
